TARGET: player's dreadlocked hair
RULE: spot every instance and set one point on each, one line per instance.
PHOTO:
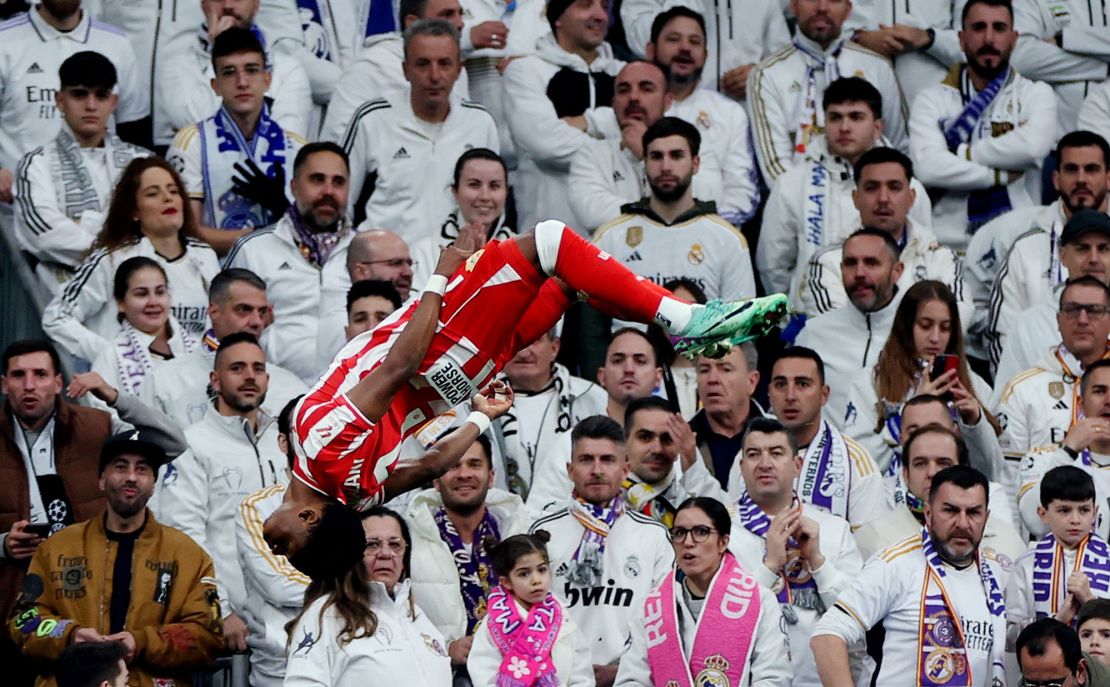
(334, 546)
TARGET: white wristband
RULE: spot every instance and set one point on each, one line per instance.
(437, 284)
(481, 420)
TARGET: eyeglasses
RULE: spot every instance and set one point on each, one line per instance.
(699, 532)
(391, 262)
(1055, 682)
(1072, 310)
(396, 546)
(251, 70)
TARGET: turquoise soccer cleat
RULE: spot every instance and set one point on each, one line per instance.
(719, 325)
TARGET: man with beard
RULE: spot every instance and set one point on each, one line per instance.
(234, 162)
(184, 96)
(728, 169)
(1039, 260)
(883, 195)
(123, 577)
(607, 173)
(303, 260)
(938, 599)
(786, 90)
(1080, 186)
(670, 235)
(849, 338)
(233, 453)
(33, 47)
(453, 527)
(980, 135)
(607, 557)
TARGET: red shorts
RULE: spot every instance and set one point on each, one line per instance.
(495, 304)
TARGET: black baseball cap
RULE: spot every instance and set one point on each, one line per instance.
(1085, 221)
(133, 442)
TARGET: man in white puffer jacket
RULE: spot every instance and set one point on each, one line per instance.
(552, 100)
(451, 573)
(233, 453)
(811, 204)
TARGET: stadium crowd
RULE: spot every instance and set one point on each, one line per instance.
(908, 483)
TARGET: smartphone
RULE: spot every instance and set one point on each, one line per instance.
(943, 363)
(41, 529)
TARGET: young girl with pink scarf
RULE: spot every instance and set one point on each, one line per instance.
(527, 639)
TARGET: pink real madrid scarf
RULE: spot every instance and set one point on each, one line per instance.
(723, 637)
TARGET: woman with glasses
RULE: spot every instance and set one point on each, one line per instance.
(363, 628)
(480, 188)
(709, 622)
(924, 355)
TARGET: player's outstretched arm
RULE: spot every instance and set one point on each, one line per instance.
(492, 402)
(375, 392)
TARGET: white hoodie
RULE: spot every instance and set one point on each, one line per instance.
(544, 143)
(435, 577)
(406, 649)
(1095, 113)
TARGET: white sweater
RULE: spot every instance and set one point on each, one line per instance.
(406, 649)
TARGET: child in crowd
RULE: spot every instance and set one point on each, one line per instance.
(1070, 565)
(527, 638)
(1093, 624)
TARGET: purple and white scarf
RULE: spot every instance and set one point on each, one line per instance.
(812, 116)
(1092, 558)
(133, 359)
(799, 589)
(316, 246)
(476, 576)
(826, 476)
(586, 565)
(942, 649)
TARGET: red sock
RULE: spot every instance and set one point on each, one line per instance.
(606, 281)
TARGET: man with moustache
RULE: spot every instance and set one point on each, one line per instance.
(124, 577)
(34, 45)
(1082, 181)
(670, 234)
(678, 46)
(607, 173)
(233, 453)
(849, 338)
(837, 475)
(1039, 260)
(606, 557)
(981, 134)
(977, 447)
(303, 260)
(453, 526)
(938, 599)
(655, 438)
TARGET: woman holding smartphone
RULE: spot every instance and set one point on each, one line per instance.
(924, 355)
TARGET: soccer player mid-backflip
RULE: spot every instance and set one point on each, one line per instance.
(476, 312)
